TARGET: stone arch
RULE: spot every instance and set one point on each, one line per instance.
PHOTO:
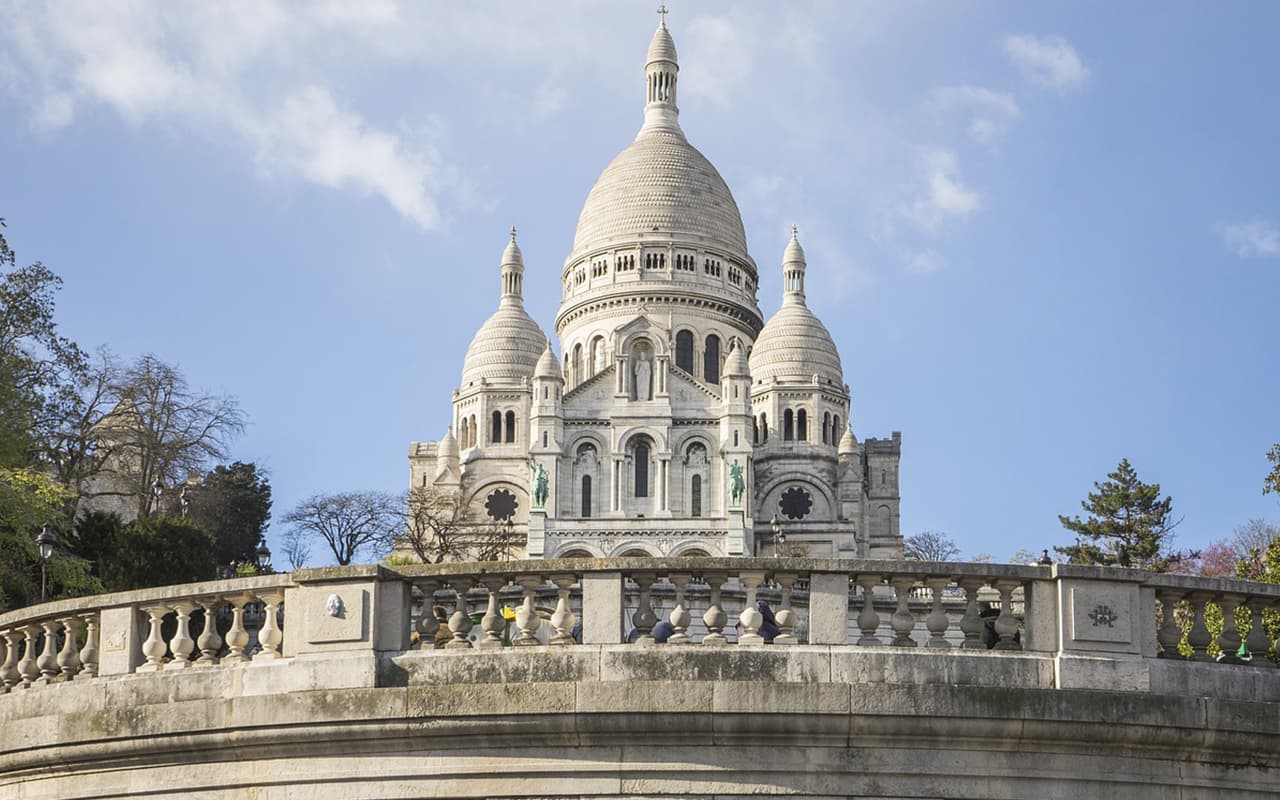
(684, 350)
(567, 549)
(480, 495)
(696, 549)
(633, 546)
(768, 495)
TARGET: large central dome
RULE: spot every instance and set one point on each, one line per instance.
(660, 183)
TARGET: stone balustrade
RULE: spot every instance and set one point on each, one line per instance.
(879, 678)
(1074, 614)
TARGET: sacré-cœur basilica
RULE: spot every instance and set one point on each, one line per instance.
(677, 421)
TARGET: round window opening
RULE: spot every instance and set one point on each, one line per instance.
(795, 503)
(501, 505)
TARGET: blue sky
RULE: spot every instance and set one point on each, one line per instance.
(1044, 236)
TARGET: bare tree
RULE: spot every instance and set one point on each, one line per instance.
(1256, 534)
(931, 546)
(349, 523)
(297, 547)
(440, 526)
(159, 430)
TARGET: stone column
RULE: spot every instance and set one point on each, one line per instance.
(828, 608)
(601, 607)
(182, 644)
(69, 655)
(270, 636)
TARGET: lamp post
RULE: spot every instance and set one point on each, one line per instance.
(157, 489)
(264, 557)
(45, 542)
(779, 538)
(506, 542)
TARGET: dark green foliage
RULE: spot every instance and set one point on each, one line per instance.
(158, 551)
(1129, 525)
(232, 504)
(1272, 482)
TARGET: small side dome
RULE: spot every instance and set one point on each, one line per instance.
(795, 346)
(735, 364)
(448, 447)
(506, 348)
(848, 443)
(548, 367)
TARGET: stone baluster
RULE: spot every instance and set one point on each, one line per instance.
(971, 622)
(182, 645)
(237, 635)
(937, 621)
(69, 655)
(47, 663)
(563, 618)
(1006, 624)
(680, 616)
(270, 636)
(27, 665)
(460, 621)
(868, 619)
(493, 623)
(751, 618)
(209, 641)
(1199, 636)
(785, 616)
(902, 621)
(1169, 634)
(428, 625)
(154, 648)
(714, 617)
(89, 653)
(644, 619)
(10, 676)
(527, 619)
(1257, 641)
(1229, 640)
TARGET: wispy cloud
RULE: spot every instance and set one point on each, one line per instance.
(942, 195)
(714, 54)
(1254, 238)
(1046, 61)
(990, 112)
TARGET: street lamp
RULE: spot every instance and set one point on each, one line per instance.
(264, 557)
(157, 489)
(45, 542)
(506, 542)
(779, 538)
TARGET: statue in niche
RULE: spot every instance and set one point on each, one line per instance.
(736, 484)
(541, 484)
(643, 372)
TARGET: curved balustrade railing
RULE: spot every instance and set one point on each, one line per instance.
(1058, 610)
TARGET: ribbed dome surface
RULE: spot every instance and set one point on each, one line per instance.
(506, 347)
(661, 183)
(662, 47)
(795, 345)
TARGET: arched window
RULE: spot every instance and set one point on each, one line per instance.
(475, 431)
(586, 495)
(827, 437)
(836, 430)
(764, 428)
(755, 431)
(788, 426)
(695, 496)
(883, 476)
(711, 360)
(597, 355)
(684, 351)
(576, 374)
(511, 426)
(802, 425)
(495, 433)
(641, 458)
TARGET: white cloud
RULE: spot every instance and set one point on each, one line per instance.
(1046, 61)
(990, 112)
(1250, 239)
(923, 262)
(942, 195)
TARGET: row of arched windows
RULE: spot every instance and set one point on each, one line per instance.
(581, 363)
(640, 473)
(795, 427)
(499, 432)
(710, 355)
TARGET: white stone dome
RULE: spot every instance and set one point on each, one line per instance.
(508, 345)
(660, 184)
(506, 348)
(795, 345)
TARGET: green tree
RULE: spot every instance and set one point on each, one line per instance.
(1128, 525)
(1272, 482)
(39, 368)
(232, 504)
(157, 551)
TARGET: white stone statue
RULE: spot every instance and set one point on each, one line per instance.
(643, 371)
